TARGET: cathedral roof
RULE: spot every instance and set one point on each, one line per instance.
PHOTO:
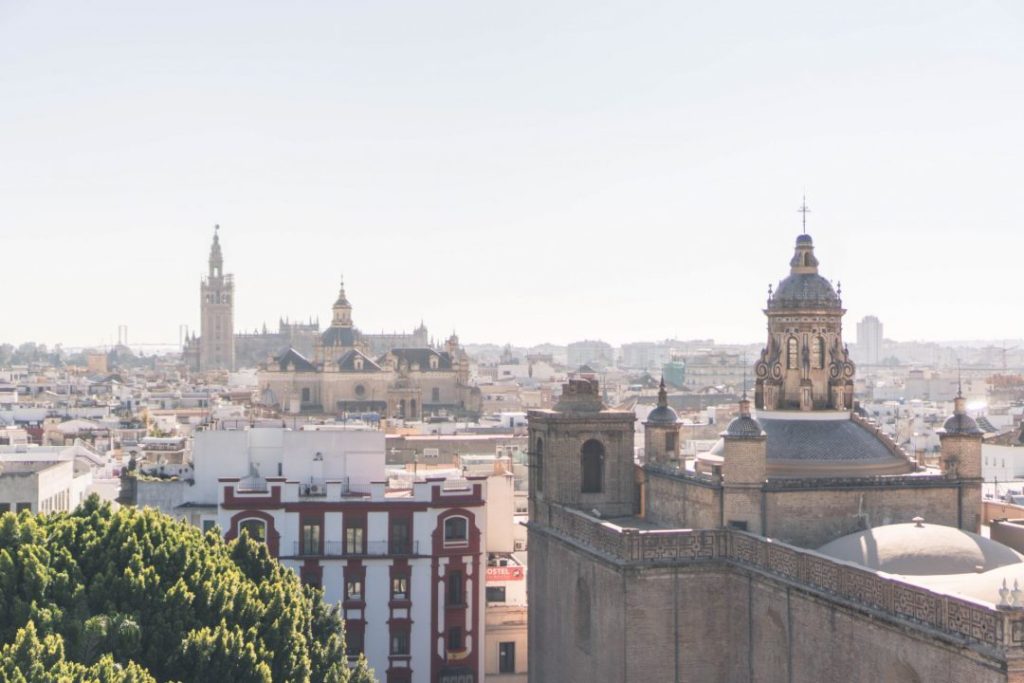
(816, 444)
(339, 336)
(422, 358)
(289, 359)
(348, 362)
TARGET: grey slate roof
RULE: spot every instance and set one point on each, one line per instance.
(292, 357)
(744, 426)
(347, 362)
(422, 357)
(339, 336)
(961, 424)
(802, 290)
(825, 440)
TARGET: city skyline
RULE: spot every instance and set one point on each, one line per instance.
(606, 172)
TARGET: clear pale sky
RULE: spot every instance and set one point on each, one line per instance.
(519, 171)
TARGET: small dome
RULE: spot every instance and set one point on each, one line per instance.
(663, 415)
(804, 239)
(961, 424)
(802, 290)
(921, 550)
(744, 426)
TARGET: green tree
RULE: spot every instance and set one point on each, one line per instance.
(134, 595)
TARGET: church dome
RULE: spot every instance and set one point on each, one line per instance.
(918, 549)
(960, 423)
(663, 414)
(744, 426)
(804, 288)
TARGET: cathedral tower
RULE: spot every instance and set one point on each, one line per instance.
(661, 432)
(805, 365)
(216, 305)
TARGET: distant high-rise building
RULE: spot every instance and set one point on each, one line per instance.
(596, 354)
(869, 340)
(217, 302)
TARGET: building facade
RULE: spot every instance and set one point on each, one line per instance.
(741, 569)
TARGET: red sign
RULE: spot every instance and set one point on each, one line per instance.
(505, 574)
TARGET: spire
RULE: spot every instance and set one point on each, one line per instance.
(342, 299)
(216, 258)
(662, 394)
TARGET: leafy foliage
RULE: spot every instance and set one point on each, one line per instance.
(134, 596)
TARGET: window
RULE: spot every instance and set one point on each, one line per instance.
(455, 592)
(456, 530)
(455, 638)
(433, 362)
(435, 395)
(592, 465)
(360, 390)
(506, 658)
(310, 537)
(495, 594)
(354, 589)
(670, 442)
(818, 353)
(208, 525)
(354, 540)
(256, 528)
(305, 395)
(400, 642)
(24, 506)
(736, 524)
(399, 587)
(311, 578)
(792, 354)
(399, 536)
(539, 464)
(353, 638)
(5, 507)
(358, 364)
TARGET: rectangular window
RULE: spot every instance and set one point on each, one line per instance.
(507, 658)
(735, 524)
(495, 594)
(398, 539)
(24, 506)
(208, 524)
(455, 638)
(354, 541)
(400, 642)
(670, 442)
(5, 507)
(354, 638)
(305, 395)
(435, 395)
(455, 593)
(354, 589)
(400, 588)
(310, 537)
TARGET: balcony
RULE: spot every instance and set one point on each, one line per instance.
(373, 549)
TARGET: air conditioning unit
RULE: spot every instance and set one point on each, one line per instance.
(431, 453)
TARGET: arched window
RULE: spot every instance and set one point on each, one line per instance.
(256, 528)
(792, 354)
(456, 530)
(538, 464)
(358, 363)
(818, 353)
(592, 466)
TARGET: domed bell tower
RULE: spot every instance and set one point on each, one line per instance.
(661, 433)
(581, 454)
(960, 441)
(805, 364)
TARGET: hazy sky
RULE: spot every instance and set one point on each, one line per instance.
(520, 171)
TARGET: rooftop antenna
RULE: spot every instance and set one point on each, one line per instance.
(804, 210)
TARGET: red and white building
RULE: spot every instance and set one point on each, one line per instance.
(407, 566)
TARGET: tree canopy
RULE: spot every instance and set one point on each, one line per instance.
(134, 596)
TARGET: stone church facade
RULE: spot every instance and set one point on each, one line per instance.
(656, 572)
(345, 376)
